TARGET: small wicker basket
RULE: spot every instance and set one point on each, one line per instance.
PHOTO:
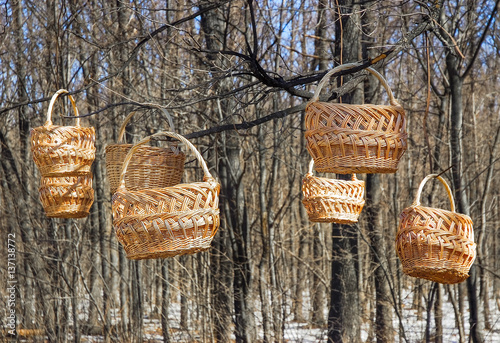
(152, 167)
(347, 139)
(67, 196)
(169, 221)
(331, 200)
(435, 244)
(63, 150)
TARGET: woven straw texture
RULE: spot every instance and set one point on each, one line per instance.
(331, 200)
(435, 244)
(63, 150)
(346, 139)
(151, 167)
(67, 197)
(169, 221)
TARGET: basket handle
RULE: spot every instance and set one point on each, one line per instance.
(51, 106)
(208, 177)
(311, 165)
(443, 181)
(121, 134)
(327, 76)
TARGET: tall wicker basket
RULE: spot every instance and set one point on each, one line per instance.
(66, 196)
(435, 244)
(63, 150)
(331, 200)
(168, 221)
(152, 167)
(347, 139)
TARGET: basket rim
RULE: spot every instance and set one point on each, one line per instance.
(413, 206)
(126, 145)
(153, 216)
(208, 178)
(53, 126)
(210, 184)
(398, 108)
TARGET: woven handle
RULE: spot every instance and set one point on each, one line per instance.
(311, 165)
(208, 177)
(121, 134)
(51, 106)
(327, 76)
(421, 187)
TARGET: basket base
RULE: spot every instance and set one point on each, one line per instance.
(441, 275)
(356, 165)
(153, 251)
(344, 219)
(66, 213)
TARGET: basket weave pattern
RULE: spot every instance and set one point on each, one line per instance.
(331, 200)
(435, 244)
(169, 221)
(344, 138)
(63, 150)
(152, 167)
(67, 197)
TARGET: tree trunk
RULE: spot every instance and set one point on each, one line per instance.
(165, 296)
(237, 224)
(232, 203)
(344, 314)
(221, 291)
(384, 330)
(456, 142)
(27, 316)
(438, 315)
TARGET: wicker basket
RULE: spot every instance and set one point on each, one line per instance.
(67, 196)
(332, 201)
(169, 221)
(435, 244)
(63, 150)
(346, 139)
(152, 167)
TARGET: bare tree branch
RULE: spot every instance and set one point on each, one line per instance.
(481, 40)
(257, 70)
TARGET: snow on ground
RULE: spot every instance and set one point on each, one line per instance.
(414, 327)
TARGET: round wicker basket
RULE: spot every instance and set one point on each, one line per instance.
(63, 150)
(331, 200)
(435, 244)
(347, 139)
(151, 167)
(169, 221)
(66, 196)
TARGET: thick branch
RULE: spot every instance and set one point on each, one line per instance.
(247, 124)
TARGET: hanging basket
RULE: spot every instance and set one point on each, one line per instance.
(169, 221)
(435, 244)
(151, 167)
(331, 200)
(66, 196)
(347, 139)
(63, 150)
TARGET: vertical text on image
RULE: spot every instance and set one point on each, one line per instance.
(11, 284)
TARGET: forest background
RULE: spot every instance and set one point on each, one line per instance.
(235, 77)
